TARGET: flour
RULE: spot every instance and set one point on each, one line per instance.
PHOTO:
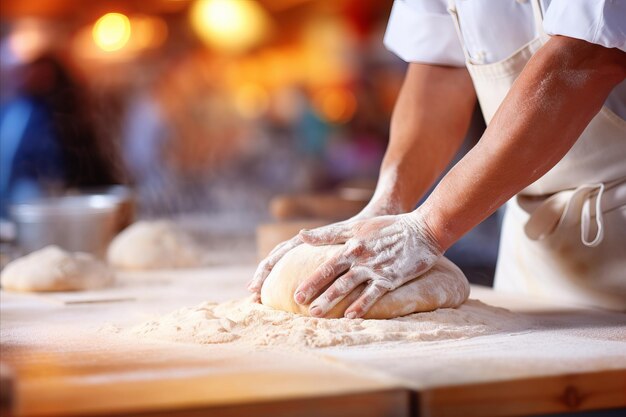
(247, 322)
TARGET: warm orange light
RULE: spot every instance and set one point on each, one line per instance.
(251, 100)
(111, 32)
(147, 32)
(231, 25)
(328, 52)
(336, 105)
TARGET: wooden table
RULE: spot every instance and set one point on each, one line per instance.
(66, 361)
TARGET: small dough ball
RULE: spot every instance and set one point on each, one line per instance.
(53, 269)
(444, 285)
(157, 244)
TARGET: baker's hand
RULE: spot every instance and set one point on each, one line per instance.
(385, 252)
(374, 208)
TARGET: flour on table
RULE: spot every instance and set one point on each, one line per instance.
(248, 322)
(158, 244)
(53, 269)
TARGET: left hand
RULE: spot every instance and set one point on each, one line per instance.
(385, 251)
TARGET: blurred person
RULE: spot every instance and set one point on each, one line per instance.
(178, 132)
(189, 149)
(48, 142)
(549, 77)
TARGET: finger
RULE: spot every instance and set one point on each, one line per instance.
(372, 293)
(322, 276)
(326, 235)
(265, 266)
(338, 290)
(291, 243)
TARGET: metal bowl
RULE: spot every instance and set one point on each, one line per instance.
(123, 196)
(85, 223)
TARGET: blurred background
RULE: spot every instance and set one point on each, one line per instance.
(246, 119)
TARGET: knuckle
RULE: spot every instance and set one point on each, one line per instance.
(346, 283)
(369, 298)
(382, 285)
(373, 291)
(386, 272)
(355, 247)
(360, 271)
(326, 270)
(333, 293)
(342, 285)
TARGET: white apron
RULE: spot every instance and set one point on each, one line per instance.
(564, 236)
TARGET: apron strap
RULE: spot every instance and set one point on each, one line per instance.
(567, 208)
(585, 219)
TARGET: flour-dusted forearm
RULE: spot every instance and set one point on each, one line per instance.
(561, 89)
(430, 119)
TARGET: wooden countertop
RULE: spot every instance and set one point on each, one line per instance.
(64, 362)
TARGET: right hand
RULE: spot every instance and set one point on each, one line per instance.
(267, 264)
(375, 208)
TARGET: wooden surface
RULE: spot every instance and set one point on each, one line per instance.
(331, 207)
(528, 396)
(268, 235)
(67, 361)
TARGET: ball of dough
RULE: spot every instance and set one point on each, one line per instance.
(53, 269)
(444, 285)
(153, 245)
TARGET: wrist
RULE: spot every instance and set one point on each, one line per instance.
(433, 227)
(380, 207)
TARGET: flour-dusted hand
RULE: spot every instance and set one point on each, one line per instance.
(384, 252)
(379, 205)
(266, 265)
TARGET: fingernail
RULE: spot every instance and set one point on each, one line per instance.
(351, 315)
(299, 297)
(315, 311)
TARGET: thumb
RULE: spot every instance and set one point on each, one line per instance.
(326, 235)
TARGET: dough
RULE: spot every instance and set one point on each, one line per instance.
(444, 285)
(53, 269)
(153, 245)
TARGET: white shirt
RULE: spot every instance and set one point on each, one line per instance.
(423, 30)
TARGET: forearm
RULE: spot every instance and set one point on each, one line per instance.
(429, 122)
(561, 89)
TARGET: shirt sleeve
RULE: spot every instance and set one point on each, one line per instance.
(423, 31)
(597, 21)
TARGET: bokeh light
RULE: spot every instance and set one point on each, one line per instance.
(28, 39)
(335, 105)
(229, 25)
(111, 32)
